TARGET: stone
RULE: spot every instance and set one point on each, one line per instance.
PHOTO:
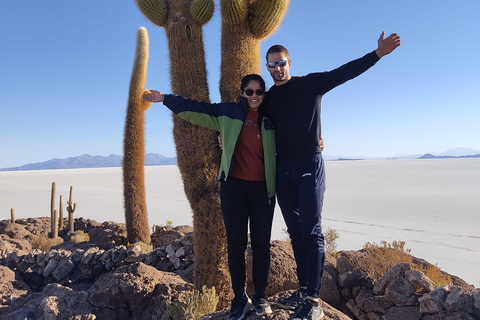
(458, 299)
(64, 267)
(403, 313)
(476, 299)
(357, 311)
(399, 291)
(354, 279)
(136, 287)
(421, 282)
(394, 273)
(377, 304)
(433, 302)
(448, 315)
(51, 265)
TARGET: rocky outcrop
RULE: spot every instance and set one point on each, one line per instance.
(103, 279)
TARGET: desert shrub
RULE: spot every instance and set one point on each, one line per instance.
(383, 256)
(79, 236)
(44, 243)
(331, 235)
(434, 273)
(144, 247)
(195, 304)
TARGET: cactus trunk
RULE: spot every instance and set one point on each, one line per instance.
(12, 216)
(136, 216)
(198, 154)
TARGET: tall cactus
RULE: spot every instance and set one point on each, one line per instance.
(244, 24)
(136, 217)
(198, 154)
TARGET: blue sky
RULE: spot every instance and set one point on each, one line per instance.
(65, 69)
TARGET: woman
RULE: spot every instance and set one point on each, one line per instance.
(247, 175)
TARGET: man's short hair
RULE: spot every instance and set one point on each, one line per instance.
(277, 48)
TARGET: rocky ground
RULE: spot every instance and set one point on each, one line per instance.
(103, 279)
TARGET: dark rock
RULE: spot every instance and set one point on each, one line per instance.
(399, 291)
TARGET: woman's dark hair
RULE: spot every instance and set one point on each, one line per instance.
(250, 77)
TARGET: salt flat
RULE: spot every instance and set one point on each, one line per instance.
(433, 205)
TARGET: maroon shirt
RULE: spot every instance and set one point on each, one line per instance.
(248, 154)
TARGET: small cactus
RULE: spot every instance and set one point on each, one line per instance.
(12, 216)
(53, 212)
(60, 213)
(71, 207)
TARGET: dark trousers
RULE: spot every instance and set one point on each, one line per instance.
(300, 188)
(243, 201)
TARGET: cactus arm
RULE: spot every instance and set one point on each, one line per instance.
(234, 12)
(154, 10)
(202, 10)
(267, 16)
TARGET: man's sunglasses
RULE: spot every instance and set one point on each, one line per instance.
(281, 63)
(249, 92)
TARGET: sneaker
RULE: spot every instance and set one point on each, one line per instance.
(294, 301)
(240, 307)
(311, 310)
(262, 308)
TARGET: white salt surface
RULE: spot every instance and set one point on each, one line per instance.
(432, 205)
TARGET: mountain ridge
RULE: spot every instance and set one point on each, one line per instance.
(155, 159)
(89, 161)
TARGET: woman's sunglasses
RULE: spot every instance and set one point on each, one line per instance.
(281, 63)
(249, 92)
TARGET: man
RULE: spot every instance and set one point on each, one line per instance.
(293, 105)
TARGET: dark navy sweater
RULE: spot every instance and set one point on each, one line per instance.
(294, 107)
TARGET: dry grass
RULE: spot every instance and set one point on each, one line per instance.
(79, 236)
(195, 304)
(382, 257)
(44, 243)
(144, 247)
(331, 235)
(434, 273)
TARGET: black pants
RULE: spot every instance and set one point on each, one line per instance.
(243, 200)
(300, 191)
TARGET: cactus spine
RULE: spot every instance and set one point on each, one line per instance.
(135, 202)
(12, 215)
(71, 207)
(53, 212)
(197, 149)
(244, 24)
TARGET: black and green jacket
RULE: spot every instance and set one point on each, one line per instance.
(227, 118)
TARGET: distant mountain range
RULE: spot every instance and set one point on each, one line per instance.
(155, 159)
(88, 161)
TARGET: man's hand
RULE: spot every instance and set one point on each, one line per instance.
(387, 45)
(153, 96)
